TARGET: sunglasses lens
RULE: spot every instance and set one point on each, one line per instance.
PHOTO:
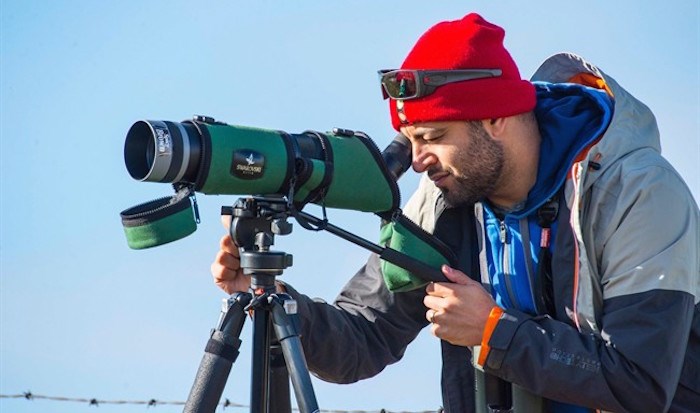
(400, 84)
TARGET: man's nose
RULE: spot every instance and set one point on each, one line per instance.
(422, 158)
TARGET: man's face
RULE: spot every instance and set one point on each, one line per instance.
(459, 157)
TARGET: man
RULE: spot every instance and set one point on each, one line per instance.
(553, 194)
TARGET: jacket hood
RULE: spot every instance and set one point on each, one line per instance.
(632, 127)
(570, 116)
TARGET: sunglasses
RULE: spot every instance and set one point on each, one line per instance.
(412, 84)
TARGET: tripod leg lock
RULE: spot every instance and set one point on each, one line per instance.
(284, 310)
(290, 306)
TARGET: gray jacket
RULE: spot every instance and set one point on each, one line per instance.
(626, 333)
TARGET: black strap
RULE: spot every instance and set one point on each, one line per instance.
(317, 194)
(227, 351)
(544, 287)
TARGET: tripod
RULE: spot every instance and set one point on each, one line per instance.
(277, 352)
(255, 222)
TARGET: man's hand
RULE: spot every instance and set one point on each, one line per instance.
(226, 268)
(458, 310)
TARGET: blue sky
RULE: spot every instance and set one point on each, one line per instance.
(82, 315)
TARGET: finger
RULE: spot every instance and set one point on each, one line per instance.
(229, 287)
(436, 330)
(456, 276)
(437, 289)
(226, 221)
(433, 303)
(226, 244)
(228, 261)
(441, 290)
(222, 274)
(430, 315)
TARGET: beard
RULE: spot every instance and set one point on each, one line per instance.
(477, 169)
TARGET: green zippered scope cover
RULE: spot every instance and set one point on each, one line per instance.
(158, 222)
(403, 235)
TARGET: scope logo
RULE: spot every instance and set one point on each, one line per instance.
(247, 164)
(164, 143)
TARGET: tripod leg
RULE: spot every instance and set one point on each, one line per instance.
(280, 398)
(498, 394)
(259, 391)
(270, 377)
(220, 353)
(283, 309)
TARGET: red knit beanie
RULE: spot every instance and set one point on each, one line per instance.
(469, 43)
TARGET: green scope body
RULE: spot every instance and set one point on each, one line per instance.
(340, 169)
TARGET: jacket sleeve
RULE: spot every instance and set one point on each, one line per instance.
(366, 329)
(647, 258)
(636, 372)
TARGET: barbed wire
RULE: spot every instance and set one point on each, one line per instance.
(154, 402)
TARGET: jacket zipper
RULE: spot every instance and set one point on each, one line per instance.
(507, 276)
(525, 230)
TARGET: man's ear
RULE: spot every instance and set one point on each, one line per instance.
(495, 127)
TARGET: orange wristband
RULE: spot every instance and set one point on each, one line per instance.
(494, 316)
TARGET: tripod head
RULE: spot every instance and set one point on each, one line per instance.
(256, 221)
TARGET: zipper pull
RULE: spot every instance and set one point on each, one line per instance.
(503, 230)
(195, 207)
(545, 238)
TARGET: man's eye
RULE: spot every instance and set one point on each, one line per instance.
(432, 138)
